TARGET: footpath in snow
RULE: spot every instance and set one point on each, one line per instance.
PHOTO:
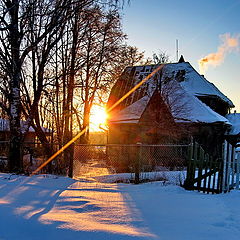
(49, 207)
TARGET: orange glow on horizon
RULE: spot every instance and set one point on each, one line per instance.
(98, 118)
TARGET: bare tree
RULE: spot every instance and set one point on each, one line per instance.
(32, 33)
(160, 57)
(102, 40)
(17, 22)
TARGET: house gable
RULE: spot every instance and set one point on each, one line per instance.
(158, 119)
(153, 124)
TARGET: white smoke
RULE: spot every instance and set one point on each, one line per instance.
(228, 44)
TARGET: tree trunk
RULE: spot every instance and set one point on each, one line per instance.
(86, 120)
(15, 161)
(69, 152)
(43, 139)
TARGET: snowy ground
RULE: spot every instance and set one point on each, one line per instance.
(48, 207)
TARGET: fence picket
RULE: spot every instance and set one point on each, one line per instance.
(200, 167)
(215, 168)
(214, 175)
(219, 180)
(205, 172)
(210, 176)
(190, 169)
(229, 166)
(224, 175)
(233, 167)
(237, 171)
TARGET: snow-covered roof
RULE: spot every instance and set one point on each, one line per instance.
(4, 126)
(132, 113)
(194, 110)
(185, 74)
(234, 119)
(193, 82)
(181, 83)
(185, 107)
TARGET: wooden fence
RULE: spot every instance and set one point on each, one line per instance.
(212, 175)
(231, 168)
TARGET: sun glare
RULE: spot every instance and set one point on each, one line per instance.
(98, 118)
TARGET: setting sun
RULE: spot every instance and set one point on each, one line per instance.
(98, 118)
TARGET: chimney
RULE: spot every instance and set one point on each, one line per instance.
(181, 59)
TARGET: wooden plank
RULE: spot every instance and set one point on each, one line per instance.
(216, 169)
(195, 157)
(237, 170)
(190, 168)
(214, 166)
(228, 167)
(219, 178)
(233, 166)
(205, 171)
(224, 175)
(200, 166)
(210, 175)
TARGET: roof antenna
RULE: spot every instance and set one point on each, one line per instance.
(176, 50)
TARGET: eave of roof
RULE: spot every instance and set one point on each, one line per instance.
(130, 114)
(234, 119)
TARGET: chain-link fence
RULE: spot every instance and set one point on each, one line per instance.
(111, 163)
(33, 155)
(131, 163)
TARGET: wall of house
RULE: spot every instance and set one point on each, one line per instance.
(5, 136)
(122, 133)
(209, 136)
(216, 104)
(156, 126)
(30, 137)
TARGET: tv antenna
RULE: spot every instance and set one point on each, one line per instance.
(177, 50)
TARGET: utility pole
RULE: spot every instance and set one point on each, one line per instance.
(177, 50)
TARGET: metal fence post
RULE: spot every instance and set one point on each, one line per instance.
(70, 152)
(138, 157)
(188, 184)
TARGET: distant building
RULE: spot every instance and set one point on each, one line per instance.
(233, 135)
(175, 104)
(30, 136)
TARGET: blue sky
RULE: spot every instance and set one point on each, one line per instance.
(153, 25)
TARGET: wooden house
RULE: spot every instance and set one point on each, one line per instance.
(29, 138)
(29, 143)
(174, 104)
